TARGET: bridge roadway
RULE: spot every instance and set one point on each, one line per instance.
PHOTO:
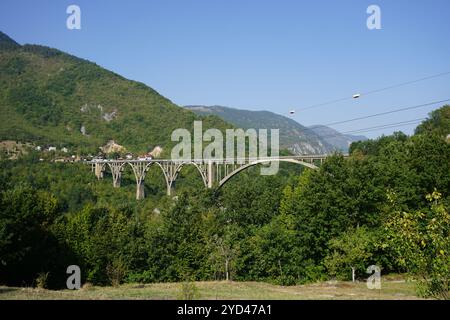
(214, 172)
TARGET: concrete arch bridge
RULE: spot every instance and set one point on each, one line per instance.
(214, 172)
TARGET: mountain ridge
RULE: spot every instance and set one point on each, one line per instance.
(50, 97)
(338, 140)
(297, 138)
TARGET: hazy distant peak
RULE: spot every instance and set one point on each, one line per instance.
(7, 42)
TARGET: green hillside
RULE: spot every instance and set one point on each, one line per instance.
(338, 140)
(50, 97)
(293, 136)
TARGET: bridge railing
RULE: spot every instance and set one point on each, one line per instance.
(213, 171)
(215, 160)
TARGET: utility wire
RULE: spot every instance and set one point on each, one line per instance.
(406, 83)
(385, 126)
(387, 112)
(375, 91)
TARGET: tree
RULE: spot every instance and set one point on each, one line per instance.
(421, 240)
(223, 254)
(176, 245)
(274, 253)
(326, 202)
(27, 245)
(352, 250)
(438, 122)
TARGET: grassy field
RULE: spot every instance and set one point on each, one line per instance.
(390, 290)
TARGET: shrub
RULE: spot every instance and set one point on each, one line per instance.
(42, 279)
(188, 291)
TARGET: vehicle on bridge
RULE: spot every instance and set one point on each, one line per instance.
(214, 172)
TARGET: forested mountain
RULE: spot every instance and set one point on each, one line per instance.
(338, 140)
(293, 136)
(385, 205)
(50, 97)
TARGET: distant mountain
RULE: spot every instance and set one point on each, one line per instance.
(338, 140)
(6, 42)
(50, 97)
(293, 136)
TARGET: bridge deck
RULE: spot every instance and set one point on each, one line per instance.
(213, 171)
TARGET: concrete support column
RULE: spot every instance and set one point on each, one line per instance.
(116, 171)
(210, 174)
(170, 174)
(169, 189)
(140, 193)
(99, 171)
(116, 180)
(139, 170)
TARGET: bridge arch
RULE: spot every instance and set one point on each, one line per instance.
(142, 171)
(199, 168)
(254, 163)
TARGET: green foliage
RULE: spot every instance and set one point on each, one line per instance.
(116, 272)
(105, 241)
(224, 251)
(275, 253)
(41, 281)
(46, 96)
(188, 291)
(298, 226)
(353, 249)
(421, 240)
(245, 204)
(327, 202)
(438, 122)
(177, 244)
(27, 245)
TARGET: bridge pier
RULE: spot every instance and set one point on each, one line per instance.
(214, 172)
(116, 181)
(99, 168)
(210, 174)
(169, 189)
(170, 171)
(140, 193)
(140, 170)
(116, 172)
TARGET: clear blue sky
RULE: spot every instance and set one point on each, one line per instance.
(258, 54)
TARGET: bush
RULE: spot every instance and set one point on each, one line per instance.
(421, 240)
(41, 280)
(116, 272)
(351, 251)
(188, 291)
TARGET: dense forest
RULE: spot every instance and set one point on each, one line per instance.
(49, 97)
(386, 204)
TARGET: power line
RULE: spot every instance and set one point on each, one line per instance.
(368, 129)
(391, 125)
(375, 91)
(406, 83)
(387, 112)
